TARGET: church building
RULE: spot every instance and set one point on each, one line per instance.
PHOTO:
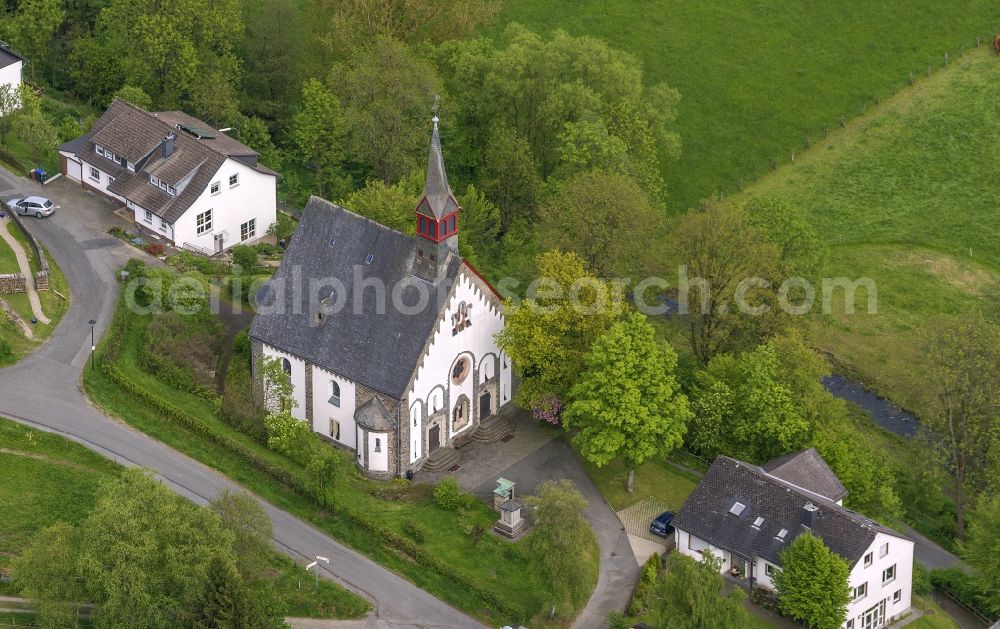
(389, 338)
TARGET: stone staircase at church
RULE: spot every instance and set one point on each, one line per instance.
(440, 460)
(494, 429)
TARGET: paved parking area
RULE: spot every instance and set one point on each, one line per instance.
(95, 211)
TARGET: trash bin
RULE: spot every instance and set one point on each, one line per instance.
(39, 175)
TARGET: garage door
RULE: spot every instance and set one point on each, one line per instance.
(74, 169)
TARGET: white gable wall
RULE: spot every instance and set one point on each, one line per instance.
(474, 342)
(298, 379)
(11, 75)
(378, 451)
(254, 197)
(900, 555)
(101, 179)
(324, 411)
(693, 546)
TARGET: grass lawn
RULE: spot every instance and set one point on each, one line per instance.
(907, 196)
(934, 617)
(499, 565)
(656, 479)
(54, 302)
(758, 77)
(8, 262)
(48, 479)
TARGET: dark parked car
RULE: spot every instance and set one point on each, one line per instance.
(32, 206)
(662, 525)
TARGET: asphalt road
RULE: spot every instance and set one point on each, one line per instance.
(44, 391)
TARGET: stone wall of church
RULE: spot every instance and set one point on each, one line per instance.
(256, 362)
(362, 395)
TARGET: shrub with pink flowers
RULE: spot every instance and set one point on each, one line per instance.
(549, 409)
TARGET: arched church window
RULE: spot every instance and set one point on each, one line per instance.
(286, 366)
(461, 370)
(378, 444)
(334, 393)
(461, 416)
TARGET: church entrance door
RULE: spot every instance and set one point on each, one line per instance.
(433, 438)
(485, 406)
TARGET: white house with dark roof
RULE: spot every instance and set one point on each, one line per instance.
(11, 67)
(748, 514)
(389, 338)
(184, 182)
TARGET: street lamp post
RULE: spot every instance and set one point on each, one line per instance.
(93, 345)
(316, 565)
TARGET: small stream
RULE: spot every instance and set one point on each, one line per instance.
(885, 413)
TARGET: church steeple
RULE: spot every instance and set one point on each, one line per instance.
(436, 212)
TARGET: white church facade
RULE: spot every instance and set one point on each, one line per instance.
(389, 338)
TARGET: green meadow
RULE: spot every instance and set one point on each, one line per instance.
(906, 195)
(759, 77)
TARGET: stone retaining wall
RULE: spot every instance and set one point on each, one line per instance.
(12, 283)
(41, 278)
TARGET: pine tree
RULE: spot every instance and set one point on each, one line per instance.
(222, 600)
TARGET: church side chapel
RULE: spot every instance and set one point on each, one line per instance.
(399, 385)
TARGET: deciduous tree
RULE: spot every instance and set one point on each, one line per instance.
(812, 583)
(689, 596)
(135, 95)
(549, 334)
(963, 363)
(144, 552)
(606, 218)
(250, 526)
(790, 229)
(409, 20)
(10, 101)
(731, 269)
(35, 130)
(627, 402)
(742, 408)
(981, 549)
(46, 572)
(388, 94)
(561, 542)
(34, 25)
(391, 205)
(318, 130)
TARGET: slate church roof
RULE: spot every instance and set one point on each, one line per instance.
(711, 513)
(438, 200)
(377, 349)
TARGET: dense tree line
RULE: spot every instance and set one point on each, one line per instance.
(549, 129)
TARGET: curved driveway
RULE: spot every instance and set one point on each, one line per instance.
(44, 391)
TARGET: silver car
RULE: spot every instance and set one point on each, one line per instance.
(32, 206)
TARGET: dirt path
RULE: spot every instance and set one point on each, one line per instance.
(22, 261)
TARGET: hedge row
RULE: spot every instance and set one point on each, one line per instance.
(955, 583)
(389, 538)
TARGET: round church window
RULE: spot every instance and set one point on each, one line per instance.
(461, 370)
